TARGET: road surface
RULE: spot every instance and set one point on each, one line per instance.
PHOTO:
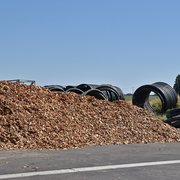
(112, 162)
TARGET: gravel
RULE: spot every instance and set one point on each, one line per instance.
(32, 117)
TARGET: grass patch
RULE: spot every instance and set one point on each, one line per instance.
(155, 103)
(178, 103)
(128, 98)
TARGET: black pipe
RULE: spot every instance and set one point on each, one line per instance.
(96, 93)
(56, 88)
(165, 92)
(86, 87)
(111, 92)
(75, 90)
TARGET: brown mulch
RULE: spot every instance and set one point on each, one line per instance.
(32, 117)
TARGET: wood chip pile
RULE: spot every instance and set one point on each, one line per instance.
(32, 117)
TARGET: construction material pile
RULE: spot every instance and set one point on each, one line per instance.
(32, 117)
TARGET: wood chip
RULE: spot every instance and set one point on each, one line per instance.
(31, 117)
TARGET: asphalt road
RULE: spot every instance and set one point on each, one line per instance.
(125, 162)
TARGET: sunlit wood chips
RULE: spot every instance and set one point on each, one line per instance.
(31, 117)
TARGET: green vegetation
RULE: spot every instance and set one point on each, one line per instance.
(178, 103)
(155, 103)
(128, 98)
(177, 85)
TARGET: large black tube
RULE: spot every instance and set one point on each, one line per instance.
(174, 121)
(69, 87)
(86, 87)
(165, 92)
(96, 93)
(120, 92)
(56, 88)
(75, 90)
(172, 112)
(111, 92)
(169, 92)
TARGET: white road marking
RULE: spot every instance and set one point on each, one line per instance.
(87, 169)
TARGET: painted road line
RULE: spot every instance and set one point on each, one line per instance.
(87, 169)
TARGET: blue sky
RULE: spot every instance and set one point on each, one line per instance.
(127, 43)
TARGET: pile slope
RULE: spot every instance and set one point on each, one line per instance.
(31, 117)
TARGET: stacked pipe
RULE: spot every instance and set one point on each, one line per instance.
(103, 92)
(173, 117)
(56, 88)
